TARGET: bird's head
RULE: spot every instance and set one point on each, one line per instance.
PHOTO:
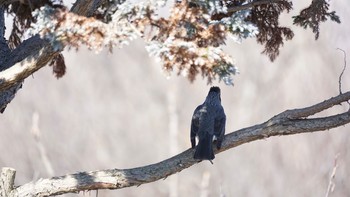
(215, 89)
(213, 95)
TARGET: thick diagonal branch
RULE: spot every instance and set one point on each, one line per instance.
(30, 56)
(119, 178)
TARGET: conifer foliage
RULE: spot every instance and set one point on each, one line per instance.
(188, 41)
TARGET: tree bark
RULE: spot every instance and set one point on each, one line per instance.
(286, 123)
(7, 179)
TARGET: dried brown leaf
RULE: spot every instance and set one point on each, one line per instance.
(58, 65)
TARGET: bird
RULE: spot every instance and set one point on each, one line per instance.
(208, 124)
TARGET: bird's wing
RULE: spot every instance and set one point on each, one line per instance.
(195, 125)
(219, 126)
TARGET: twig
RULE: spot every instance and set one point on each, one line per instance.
(342, 73)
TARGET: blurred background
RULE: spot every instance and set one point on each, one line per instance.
(121, 111)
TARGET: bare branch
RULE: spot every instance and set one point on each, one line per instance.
(342, 73)
(21, 70)
(120, 178)
(308, 111)
(27, 49)
(12, 73)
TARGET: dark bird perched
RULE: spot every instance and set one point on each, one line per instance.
(208, 124)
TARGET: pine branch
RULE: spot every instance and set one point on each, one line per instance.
(251, 4)
(285, 123)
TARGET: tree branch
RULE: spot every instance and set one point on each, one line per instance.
(4, 48)
(251, 4)
(7, 95)
(308, 111)
(30, 56)
(281, 124)
(85, 7)
(5, 2)
(25, 68)
(34, 53)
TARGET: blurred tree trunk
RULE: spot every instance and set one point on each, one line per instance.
(173, 135)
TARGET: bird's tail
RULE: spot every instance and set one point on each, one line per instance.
(204, 149)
